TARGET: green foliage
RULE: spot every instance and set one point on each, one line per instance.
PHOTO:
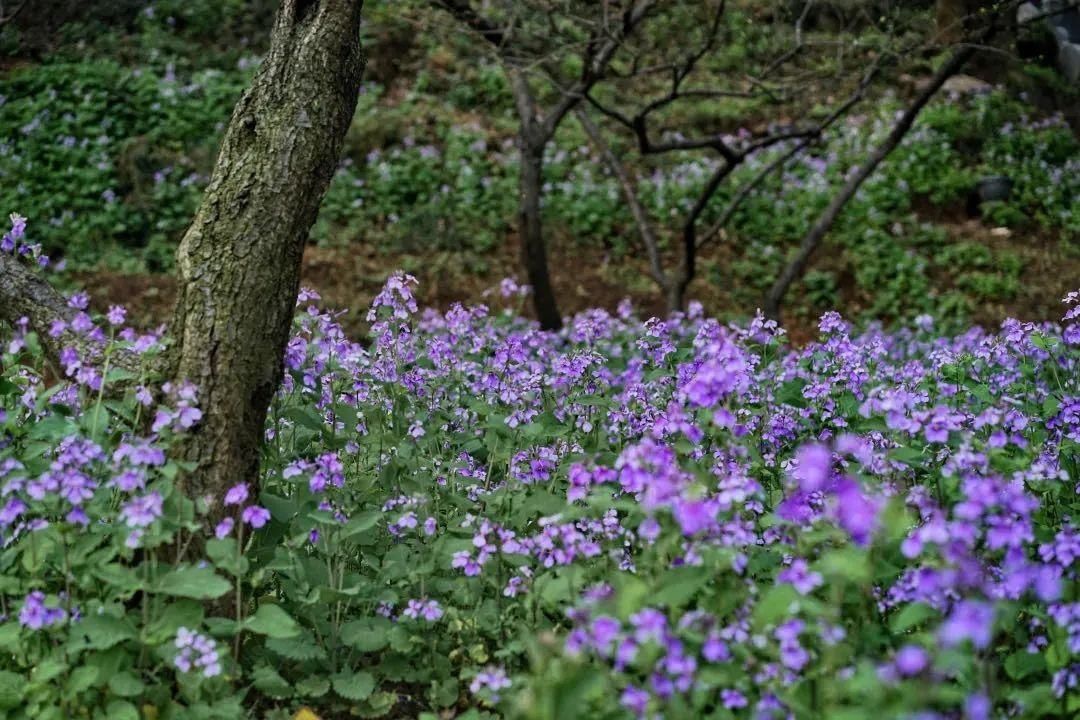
(111, 159)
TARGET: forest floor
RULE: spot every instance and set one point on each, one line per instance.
(586, 277)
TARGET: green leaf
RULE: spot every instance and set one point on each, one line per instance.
(178, 614)
(121, 710)
(678, 585)
(774, 605)
(910, 616)
(297, 648)
(361, 523)
(849, 563)
(9, 636)
(313, 686)
(366, 634)
(378, 705)
(47, 669)
(81, 679)
(272, 621)
(126, 685)
(12, 689)
(267, 679)
(353, 686)
(1021, 664)
(227, 556)
(304, 417)
(193, 582)
(101, 632)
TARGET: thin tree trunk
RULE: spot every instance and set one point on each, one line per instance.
(828, 217)
(531, 230)
(239, 262)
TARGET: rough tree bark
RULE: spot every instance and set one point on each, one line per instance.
(239, 262)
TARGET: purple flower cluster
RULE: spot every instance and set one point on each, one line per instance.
(197, 653)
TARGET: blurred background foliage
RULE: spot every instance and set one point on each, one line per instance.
(110, 112)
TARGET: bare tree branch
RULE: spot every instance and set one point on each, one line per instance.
(855, 180)
(641, 217)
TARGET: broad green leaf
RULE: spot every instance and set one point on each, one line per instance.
(775, 604)
(272, 621)
(193, 582)
(678, 585)
(910, 616)
(121, 710)
(366, 634)
(267, 679)
(126, 685)
(12, 689)
(82, 679)
(353, 685)
(313, 686)
(101, 632)
(296, 648)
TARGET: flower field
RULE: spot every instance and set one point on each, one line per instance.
(463, 516)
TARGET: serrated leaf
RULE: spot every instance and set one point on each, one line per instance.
(910, 616)
(353, 685)
(193, 582)
(12, 690)
(378, 705)
(270, 682)
(314, 686)
(121, 710)
(101, 632)
(272, 621)
(297, 648)
(126, 685)
(366, 634)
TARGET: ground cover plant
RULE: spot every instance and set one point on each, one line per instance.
(463, 516)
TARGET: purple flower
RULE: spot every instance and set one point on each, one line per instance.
(224, 528)
(970, 620)
(733, 699)
(813, 465)
(36, 615)
(911, 660)
(142, 511)
(429, 610)
(197, 653)
(635, 700)
(237, 494)
(491, 679)
(694, 516)
(116, 315)
(801, 577)
(255, 516)
(603, 632)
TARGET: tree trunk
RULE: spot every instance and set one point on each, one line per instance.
(530, 228)
(239, 262)
(675, 296)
